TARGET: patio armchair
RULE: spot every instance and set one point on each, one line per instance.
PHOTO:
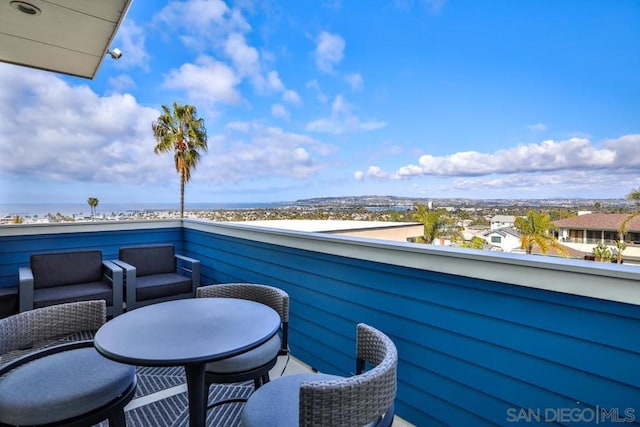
(329, 400)
(61, 277)
(253, 364)
(155, 273)
(51, 376)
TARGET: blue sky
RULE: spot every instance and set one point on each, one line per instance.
(418, 98)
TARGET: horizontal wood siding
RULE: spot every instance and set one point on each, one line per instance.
(16, 250)
(471, 351)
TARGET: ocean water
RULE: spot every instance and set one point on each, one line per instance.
(70, 209)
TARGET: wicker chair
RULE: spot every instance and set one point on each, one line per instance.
(254, 364)
(328, 400)
(52, 375)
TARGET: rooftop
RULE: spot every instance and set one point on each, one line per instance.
(599, 221)
(326, 226)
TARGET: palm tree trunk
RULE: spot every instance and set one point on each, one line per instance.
(182, 195)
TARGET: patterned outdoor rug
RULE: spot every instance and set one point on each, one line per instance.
(173, 411)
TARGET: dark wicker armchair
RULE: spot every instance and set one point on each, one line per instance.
(52, 375)
(254, 364)
(328, 400)
(37, 329)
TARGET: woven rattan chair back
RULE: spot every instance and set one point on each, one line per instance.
(32, 330)
(360, 399)
(275, 298)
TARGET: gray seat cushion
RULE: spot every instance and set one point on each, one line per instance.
(70, 293)
(275, 404)
(61, 386)
(161, 285)
(251, 359)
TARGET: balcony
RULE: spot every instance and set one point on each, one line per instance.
(484, 338)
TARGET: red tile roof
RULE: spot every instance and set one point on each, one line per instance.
(599, 221)
(569, 252)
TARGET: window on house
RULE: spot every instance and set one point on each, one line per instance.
(496, 239)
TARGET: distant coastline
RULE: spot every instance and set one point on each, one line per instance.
(82, 209)
(369, 202)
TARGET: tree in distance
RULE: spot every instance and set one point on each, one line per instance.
(181, 131)
(536, 229)
(93, 203)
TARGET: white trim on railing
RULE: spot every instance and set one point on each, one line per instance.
(85, 227)
(605, 281)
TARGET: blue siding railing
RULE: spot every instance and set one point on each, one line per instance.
(15, 250)
(472, 351)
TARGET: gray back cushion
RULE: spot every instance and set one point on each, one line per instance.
(66, 268)
(152, 259)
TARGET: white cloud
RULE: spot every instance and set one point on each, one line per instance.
(538, 127)
(211, 25)
(121, 83)
(432, 6)
(358, 175)
(575, 154)
(208, 81)
(329, 51)
(279, 111)
(355, 80)
(262, 151)
(274, 81)
(243, 127)
(313, 84)
(244, 58)
(339, 106)
(291, 97)
(131, 41)
(201, 23)
(66, 133)
(343, 120)
(61, 132)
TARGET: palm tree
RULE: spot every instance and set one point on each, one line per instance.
(180, 131)
(635, 196)
(436, 223)
(602, 252)
(620, 246)
(93, 203)
(536, 229)
(475, 243)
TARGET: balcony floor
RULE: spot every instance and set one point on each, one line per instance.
(161, 397)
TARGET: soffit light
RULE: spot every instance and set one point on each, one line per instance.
(26, 8)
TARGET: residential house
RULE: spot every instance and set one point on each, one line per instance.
(584, 232)
(501, 221)
(505, 239)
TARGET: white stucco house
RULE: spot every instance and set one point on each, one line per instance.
(505, 239)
